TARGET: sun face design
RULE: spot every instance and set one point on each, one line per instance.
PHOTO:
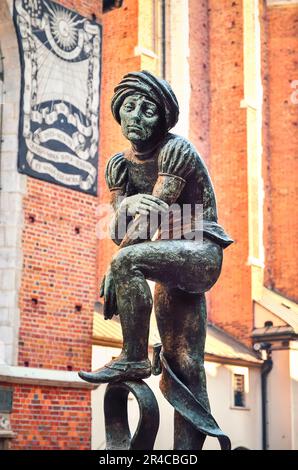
(64, 27)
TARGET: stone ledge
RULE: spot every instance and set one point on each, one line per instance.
(48, 377)
(7, 434)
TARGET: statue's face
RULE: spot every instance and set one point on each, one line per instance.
(140, 119)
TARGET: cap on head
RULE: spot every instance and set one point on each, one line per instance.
(156, 89)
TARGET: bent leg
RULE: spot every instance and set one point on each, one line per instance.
(188, 265)
(181, 319)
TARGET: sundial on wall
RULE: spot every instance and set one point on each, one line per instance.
(60, 58)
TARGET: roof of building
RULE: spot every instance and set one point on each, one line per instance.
(274, 332)
(109, 331)
(291, 318)
(283, 308)
(220, 347)
(282, 322)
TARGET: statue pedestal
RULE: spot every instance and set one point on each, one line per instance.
(193, 422)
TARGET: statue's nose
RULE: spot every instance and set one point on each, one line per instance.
(136, 113)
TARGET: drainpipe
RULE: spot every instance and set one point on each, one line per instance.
(266, 369)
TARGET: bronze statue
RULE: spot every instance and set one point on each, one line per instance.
(158, 170)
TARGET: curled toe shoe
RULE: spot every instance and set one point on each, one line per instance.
(118, 371)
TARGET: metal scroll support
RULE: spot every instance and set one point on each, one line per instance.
(189, 407)
(118, 435)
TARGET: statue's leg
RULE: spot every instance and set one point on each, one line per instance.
(181, 318)
(134, 303)
(189, 265)
(179, 263)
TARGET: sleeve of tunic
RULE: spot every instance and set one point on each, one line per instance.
(177, 158)
(116, 173)
(179, 161)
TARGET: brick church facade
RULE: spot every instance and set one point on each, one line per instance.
(232, 65)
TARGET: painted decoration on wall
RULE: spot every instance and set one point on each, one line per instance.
(59, 119)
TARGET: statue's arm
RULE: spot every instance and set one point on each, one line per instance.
(176, 161)
(116, 175)
(120, 218)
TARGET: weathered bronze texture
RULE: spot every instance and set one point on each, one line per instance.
(159, 176)
(118, 435)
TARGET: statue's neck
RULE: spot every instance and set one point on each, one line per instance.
(144, 153)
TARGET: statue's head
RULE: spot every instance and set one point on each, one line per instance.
(145, 106)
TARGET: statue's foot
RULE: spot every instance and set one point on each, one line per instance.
(118, 371)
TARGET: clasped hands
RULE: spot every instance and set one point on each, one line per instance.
(143, 204)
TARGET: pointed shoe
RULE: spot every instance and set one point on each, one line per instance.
(118, 371)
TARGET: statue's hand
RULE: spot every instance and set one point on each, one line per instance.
(107, 290)
(143, 204)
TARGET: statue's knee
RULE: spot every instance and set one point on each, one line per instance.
(121, 262)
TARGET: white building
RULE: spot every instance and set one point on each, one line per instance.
(276, 327)
(233, 379)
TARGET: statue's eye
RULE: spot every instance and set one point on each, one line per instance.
(149, 112)
(128, 106)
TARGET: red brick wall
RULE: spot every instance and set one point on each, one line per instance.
(59, 271)
(199, 76)
(199, 73)
(230, 304)
(265, 134)
(120, 37)
(48, 418)
(61, 266)
(224, 125)
(281, 214)
(57, 296)
(84, 7)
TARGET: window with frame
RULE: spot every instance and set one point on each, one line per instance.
(239, 390)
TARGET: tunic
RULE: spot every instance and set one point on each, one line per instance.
(131, 173)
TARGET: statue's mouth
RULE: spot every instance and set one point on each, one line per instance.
(134, 128)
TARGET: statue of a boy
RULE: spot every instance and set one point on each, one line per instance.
(159, 169)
